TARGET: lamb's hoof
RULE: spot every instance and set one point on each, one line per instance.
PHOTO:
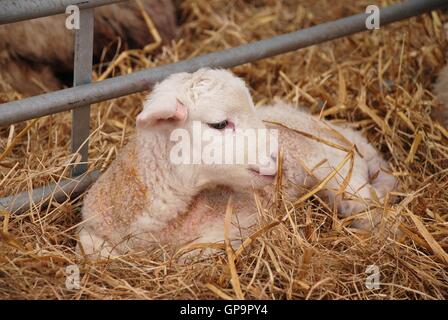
(93, 247)
(377, 222)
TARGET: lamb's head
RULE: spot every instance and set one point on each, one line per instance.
(211, 128)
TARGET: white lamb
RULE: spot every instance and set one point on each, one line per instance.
(143, 199)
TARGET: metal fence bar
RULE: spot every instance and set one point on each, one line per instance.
(82, 75)
(76, 97)
(63, 190)
(67, 99)
(18, 10)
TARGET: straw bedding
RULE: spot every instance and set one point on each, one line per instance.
(378, 82)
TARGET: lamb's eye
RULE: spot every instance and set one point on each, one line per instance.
(220, 125)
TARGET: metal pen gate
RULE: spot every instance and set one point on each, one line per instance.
(84, 93)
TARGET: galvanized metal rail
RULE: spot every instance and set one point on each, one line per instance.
(65, 189)
(84, 95)
(18, 10)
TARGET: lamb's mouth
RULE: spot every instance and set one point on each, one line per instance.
(256, 173)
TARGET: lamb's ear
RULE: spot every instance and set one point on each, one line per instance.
(155, 112)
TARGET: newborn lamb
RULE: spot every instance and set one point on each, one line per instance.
(144, 197)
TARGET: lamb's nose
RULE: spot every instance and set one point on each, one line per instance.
(271, 168)
(268, 171)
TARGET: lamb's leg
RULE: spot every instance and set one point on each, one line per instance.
(382, 181)
(369, 176)
(376, 167)
(94, 246)
(211, 231)
(356, 198)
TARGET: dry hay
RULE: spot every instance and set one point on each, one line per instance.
(377, 81)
